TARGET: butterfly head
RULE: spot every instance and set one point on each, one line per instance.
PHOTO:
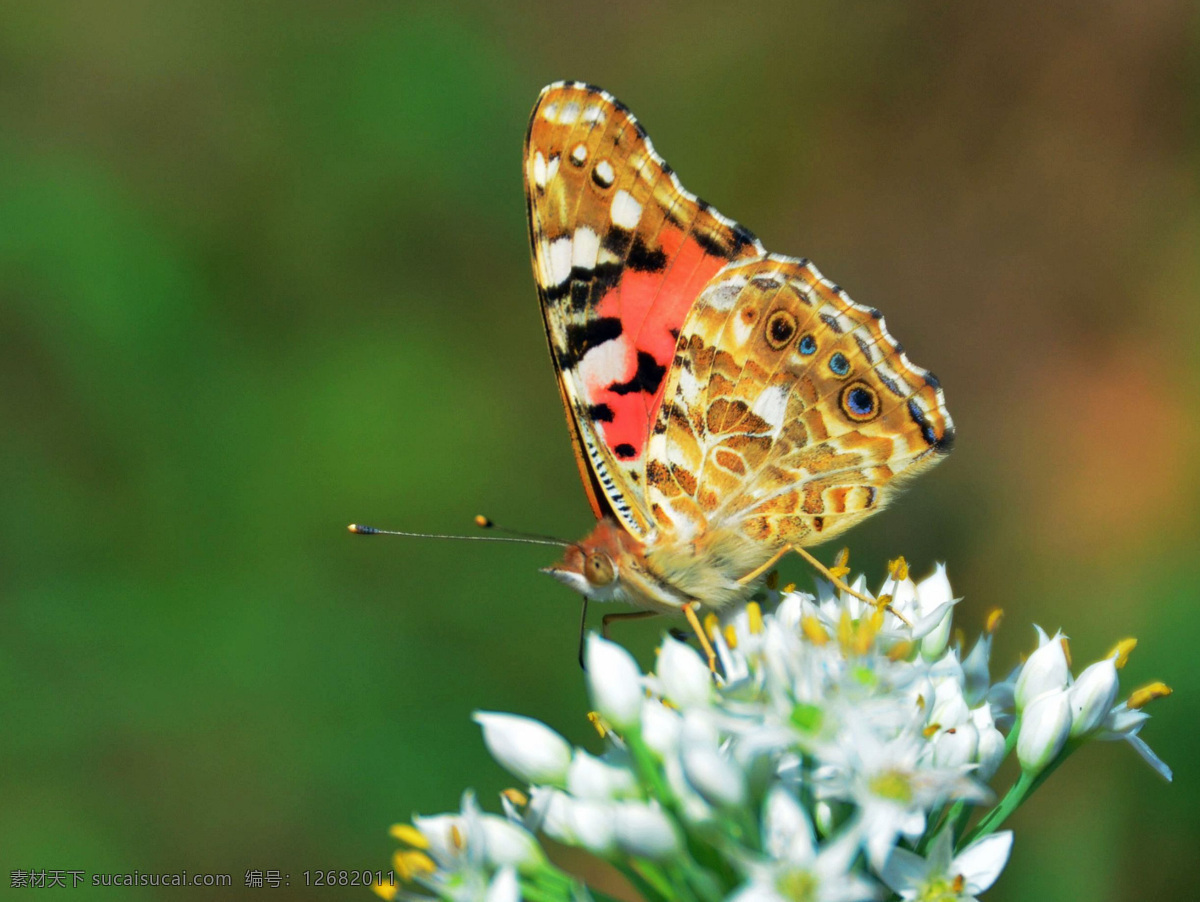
(593, 567)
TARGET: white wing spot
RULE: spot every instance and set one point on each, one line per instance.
(569, 114)
(604, 173)
(585, 248)
(552, 168)
(559, 261)
(549, 111)
(539, 170)
(579, 154)
(593, 114)
(625, 210)
(771, 405)
(722, 297)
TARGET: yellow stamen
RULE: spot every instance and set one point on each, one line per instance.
(883, 601)
(921, 702)
(773, 580)
(1122, 651)
(385, 891)
(845, 629)
(1139, 698)
(994, 617)
(789, 589)
(960, 638)
(901, 650)
(813, 630)
(1066, 646)
(730, 636)
(598, 722)
(515, 796)
(418, 864)
(930, 731)
(711, 625)
(456, 838)
(754, 614)
(400, 866)
(407, 833)
(842, 558)
(958, 883)
(898, 569)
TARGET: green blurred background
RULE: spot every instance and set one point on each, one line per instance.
(263, 271)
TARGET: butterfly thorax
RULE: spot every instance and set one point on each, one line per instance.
(658, 574)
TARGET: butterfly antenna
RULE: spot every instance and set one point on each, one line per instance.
(359, 529)
(484, 522)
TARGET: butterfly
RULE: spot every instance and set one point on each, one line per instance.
(726, 405)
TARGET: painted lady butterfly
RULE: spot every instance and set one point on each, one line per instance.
(726, 405)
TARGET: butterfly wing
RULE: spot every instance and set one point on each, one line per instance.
(791, 415)
(620, 253)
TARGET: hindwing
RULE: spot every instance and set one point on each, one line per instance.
(790, 414)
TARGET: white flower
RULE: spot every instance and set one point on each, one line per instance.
(1124, 723)
(642, 829)
(976, 673)
(508, 845)
(590, 778)
(714, 776)
(990, 751)
(526, 748)
(1045, 670)
(1045, 726)
(661, 727)
(935, 604)
(796, 869)
(1092, 696)
(504, 887)
(615, 682)
(685, 678)
(945, 878)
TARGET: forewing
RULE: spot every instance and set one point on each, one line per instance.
(620, 253)
(791, 414)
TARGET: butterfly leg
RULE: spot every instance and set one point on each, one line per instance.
(623, 615)
(689, 611)
(838, 583)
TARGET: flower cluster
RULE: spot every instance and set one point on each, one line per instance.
(843, 752)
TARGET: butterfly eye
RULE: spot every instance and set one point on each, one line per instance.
(781, 326)
(598, 568)
(860, 402)
(839, 364)
(807, 345)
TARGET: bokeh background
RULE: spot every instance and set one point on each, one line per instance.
(263, 271)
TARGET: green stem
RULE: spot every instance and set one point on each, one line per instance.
(1025, 786)
(653, 877)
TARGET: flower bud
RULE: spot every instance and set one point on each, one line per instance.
(660, 728)
(976, 672)
(504, 887)
(1045, 726)
(614, 682)
(686, 680)
(714, 776)
(593, 825)
(956, 746)
(1046, 670)
(932, 593)
(508, 845)
(990, 750)
(1092, 696)
(526, 748)
(949, 707)
(645, 830)
(590, 778)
